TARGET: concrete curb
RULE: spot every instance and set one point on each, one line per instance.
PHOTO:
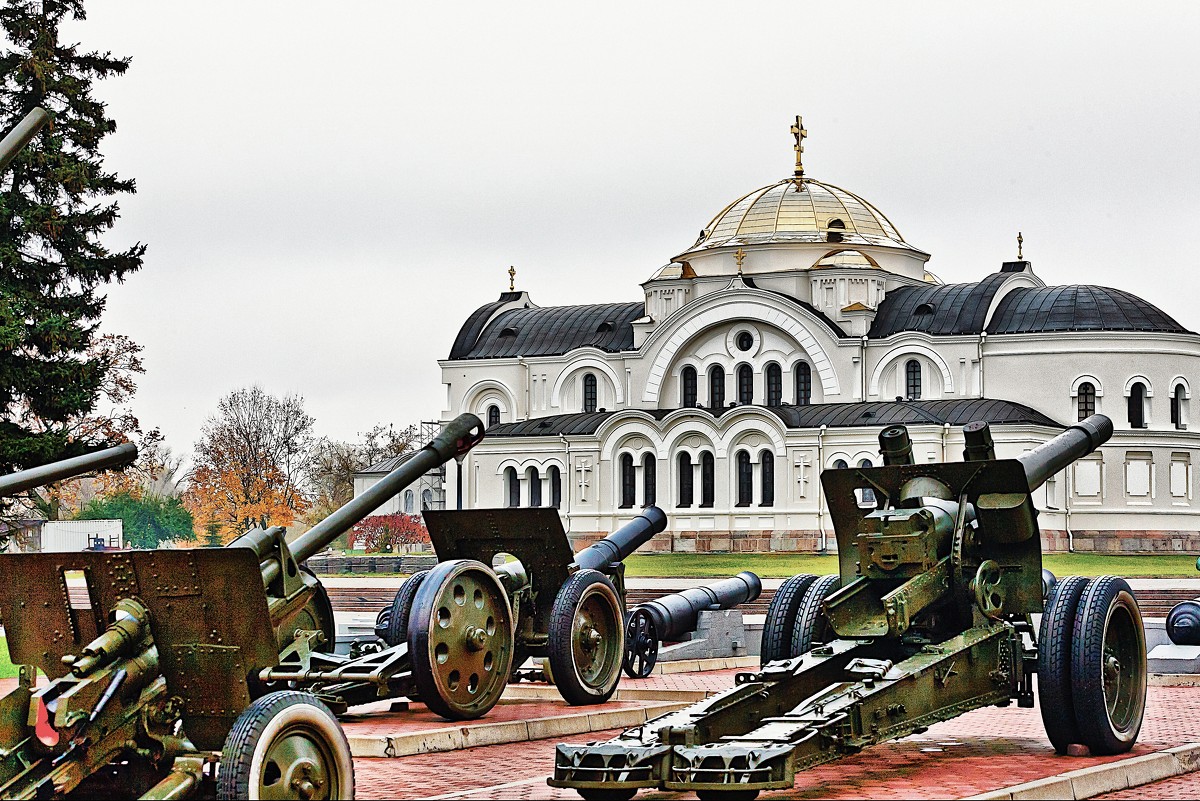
(546, 692)
(1107, 778)
(455, 738)
(701, 665)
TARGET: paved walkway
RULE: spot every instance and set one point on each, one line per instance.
(1179, 787)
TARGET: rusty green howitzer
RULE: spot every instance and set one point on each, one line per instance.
(158, 664)
(532, 597)
(931, 616)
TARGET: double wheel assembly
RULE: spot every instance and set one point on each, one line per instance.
(794, 622)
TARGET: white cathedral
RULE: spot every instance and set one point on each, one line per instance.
(780, 343)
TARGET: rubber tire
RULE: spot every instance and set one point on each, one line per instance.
(254, 726)
(810, 620)
(781, 618)
(1087, 659)
(560, 651)
(1054, 662)
(397, 631)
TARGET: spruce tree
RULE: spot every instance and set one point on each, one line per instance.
(56, 203)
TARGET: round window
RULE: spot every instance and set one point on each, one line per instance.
(745, 341)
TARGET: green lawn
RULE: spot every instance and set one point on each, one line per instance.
(7, 669)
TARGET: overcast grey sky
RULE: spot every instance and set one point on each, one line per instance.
(328, 189)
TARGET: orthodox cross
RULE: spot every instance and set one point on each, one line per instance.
(583, 467)
(512, 278)
(1020, 241)
(802, 474)
(741, 256)
(799, 133)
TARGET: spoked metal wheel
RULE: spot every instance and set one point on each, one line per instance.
(1108, 665)
(460, 637)
(641, 645)
(286, 745)
(587, 639)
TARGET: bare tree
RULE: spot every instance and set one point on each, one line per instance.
(334, 464)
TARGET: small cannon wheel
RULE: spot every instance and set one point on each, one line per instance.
(812, 626)
(460, 639)
(286, 745)
(781, 617)
(641, 645)
(397, 624)
(1054, 662)
(1183, 623)
(587, 639)
(988, 594)
(1108, 666)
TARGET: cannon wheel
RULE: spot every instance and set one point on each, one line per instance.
(781, 617)
(641, 645)
(460, 639)
(1108, 666)
(811, 624)
(1054, 662)
(587, 639)
(397, 624)
(286, 745)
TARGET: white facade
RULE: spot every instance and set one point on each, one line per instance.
(62, 536)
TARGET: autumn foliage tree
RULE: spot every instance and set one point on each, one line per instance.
(389, 532)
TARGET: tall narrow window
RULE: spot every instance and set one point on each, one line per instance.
(628, 487)
(707, 480)
(1179, 408)
(514, 487)
(408, 502)
(589, 392)
(716, 387)
(1086, 400)
(426, 499)
(687, 387)
(1137, 405)
(767, 459)
(535, 486)
(745, 382)
(774, 377)
(745, 479)
(912, 379)
(685, 480)
(555, 487)
(649, 465)
(493, 416)
(866, 496)
(803, 384)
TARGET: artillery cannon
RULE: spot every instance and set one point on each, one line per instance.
(940, 572)
(566, 608)
(673, 617)
(18, 137)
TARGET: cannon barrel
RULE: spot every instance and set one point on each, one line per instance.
(19, 136)
(616, 547)
(1056, 454)
(678, 614)
(67, 468)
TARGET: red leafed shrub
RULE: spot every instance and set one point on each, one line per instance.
(388, 532)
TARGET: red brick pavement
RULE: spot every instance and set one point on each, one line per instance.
(1179, 787)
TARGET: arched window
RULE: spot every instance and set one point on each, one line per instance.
(1179, 407)
(1086, 400)
(493, 416)
(768, 478)
(628, 488)
(745, 382)
(840, 464)
(685, 480)
(716, 387)
(707, 480)
(1137, 405)
(589, 392)
(649, 465)
(803, 384)
(408, 502)
(555, 487)
(426, 499)
(514, 487)
(912, 379)
(745, 479)
(866, 496)
(535, 486)
(687, 387)
(774, 385)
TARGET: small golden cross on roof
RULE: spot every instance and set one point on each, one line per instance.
(799, 133)
(1020, 242)
(740, 256)
(512, 278)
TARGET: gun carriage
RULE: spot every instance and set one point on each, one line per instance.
(930, 617)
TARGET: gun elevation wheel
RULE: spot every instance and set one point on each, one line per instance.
(1108, 666)
(397, 618)
(286, 745)
(781, 617)
(641, 645)
(812, 626)
(460, 639)
(587, 641)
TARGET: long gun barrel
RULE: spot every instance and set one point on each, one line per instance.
(19, 136)
(678, 614)
(1056, 454)
(616, 547)
(22, 480)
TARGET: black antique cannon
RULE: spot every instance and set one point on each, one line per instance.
(940, 573)
(673, 617)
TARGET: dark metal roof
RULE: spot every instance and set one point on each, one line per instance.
(956, 412)
(473, 327)
(945, 309)
(833, 327)
(389, 464)
(1078, 308)
(549, 331)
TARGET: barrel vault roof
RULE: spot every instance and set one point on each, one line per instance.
(546, 331)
